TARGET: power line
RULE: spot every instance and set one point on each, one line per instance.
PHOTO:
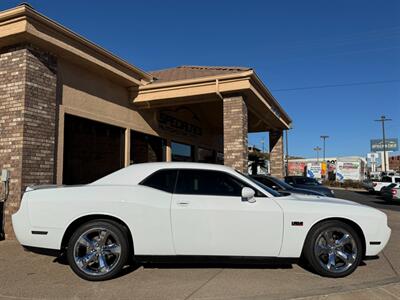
(336, 85)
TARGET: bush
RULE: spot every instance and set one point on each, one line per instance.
(345, 184)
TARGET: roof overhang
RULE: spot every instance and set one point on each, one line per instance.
(25, 25)
(259, 100)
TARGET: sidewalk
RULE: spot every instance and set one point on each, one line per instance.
(389, 291)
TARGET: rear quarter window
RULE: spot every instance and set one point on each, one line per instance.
(163, 180)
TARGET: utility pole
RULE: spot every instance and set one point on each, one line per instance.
(262, 145)
(317, 149)
(324, 137)
(383, 119)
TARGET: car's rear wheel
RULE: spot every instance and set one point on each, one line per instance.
(333, 249)
(98, 250)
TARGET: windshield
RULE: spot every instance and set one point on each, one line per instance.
(264, 187)
(282, 184)
(307, 181)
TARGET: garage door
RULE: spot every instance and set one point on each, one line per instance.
(91, 150)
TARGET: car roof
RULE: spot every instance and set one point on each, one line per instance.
(135, 173)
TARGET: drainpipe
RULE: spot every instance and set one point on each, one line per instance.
(217, 89)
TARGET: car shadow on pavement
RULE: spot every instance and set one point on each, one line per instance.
(197, 263)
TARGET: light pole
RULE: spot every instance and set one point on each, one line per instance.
(324, 137)
(317, 149)
(262, 145)
(383, 119)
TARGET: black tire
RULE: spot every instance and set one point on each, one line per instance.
(117, 240)
(317, 264)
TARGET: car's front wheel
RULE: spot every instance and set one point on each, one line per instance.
(333, 249)
(98, 250)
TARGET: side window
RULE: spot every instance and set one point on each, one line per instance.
(265, 181)
(397, 180)
(163, 180)
(289, 180)
(386, 179)
(205, 182)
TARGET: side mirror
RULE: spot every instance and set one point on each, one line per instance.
(248, 195)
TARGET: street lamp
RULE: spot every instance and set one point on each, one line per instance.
(383, 119)
(317, 149)
(324, 137)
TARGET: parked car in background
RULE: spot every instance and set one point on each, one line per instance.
(391, 192)
(303, 182)
(385, 181)
(368, 185)
(191, 209)
(281, 186)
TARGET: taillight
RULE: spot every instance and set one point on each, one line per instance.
(394, 192)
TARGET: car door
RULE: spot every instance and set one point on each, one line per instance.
(209, 217)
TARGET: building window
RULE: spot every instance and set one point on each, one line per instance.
(146, 148)
(205, 155)
(182, 152)
(91, 150)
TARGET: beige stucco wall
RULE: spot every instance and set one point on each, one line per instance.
(88, 94)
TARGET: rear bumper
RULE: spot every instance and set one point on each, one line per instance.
(36, 237)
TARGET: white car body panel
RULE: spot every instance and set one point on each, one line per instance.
(215, 225)
(207, 225)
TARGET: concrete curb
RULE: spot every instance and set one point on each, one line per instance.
(347, 189)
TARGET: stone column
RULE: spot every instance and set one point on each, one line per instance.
(28, 80)
(235, 133)
(276, 153)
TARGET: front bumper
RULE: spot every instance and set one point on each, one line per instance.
(383, 237)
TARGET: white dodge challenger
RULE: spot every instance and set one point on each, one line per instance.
(192, 209)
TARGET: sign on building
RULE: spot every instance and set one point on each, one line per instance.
(314, 170)
(349, 170)
(296, 168)
(391, 145)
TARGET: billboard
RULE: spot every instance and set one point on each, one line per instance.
(391, 145)
(296, 168)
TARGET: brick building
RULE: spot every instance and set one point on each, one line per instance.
(71, 112)
(394, 162)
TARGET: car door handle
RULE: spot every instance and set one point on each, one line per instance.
(183, 203)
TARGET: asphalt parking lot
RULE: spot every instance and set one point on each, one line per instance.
(24, 275)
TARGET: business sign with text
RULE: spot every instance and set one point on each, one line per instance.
(391, 145)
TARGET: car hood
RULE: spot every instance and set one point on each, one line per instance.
(305, 191)
(320, 199)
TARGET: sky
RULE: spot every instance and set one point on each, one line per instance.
(334, 66)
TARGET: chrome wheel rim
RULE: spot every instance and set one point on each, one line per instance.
(97, 251)
(336, 250)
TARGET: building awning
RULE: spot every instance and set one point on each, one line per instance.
(23, 24)
(202, 84)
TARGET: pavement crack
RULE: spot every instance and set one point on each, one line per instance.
(205, 283)
(390, 264)
(382, 288)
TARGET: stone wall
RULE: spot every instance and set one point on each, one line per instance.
(27, 121)
(276, 153)
(235, 133)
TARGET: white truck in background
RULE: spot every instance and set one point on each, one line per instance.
(385, 181)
